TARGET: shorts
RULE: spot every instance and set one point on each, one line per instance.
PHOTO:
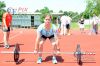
(81, 25)
(51, 38)
(6, 30)
(68, 26)
(44, 37)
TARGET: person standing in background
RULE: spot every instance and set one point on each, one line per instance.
(6, 24)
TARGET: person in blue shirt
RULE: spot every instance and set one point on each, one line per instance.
(44, 31)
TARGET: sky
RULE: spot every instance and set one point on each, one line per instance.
(55, 5)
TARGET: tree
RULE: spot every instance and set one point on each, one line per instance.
(97, 7)
(73, 15)
(37, 10)
(2, 6)
(43, 12)
(51, 11)
(60, 11)
(66, 13)
(92, 7)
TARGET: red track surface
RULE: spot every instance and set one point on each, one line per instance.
(26, 39)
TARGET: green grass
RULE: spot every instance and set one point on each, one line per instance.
(87, 26)
(75, 26)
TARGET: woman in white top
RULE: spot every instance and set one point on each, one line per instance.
(81, 24)
(63, 25)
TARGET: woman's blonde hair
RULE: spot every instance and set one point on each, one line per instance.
(48, 15)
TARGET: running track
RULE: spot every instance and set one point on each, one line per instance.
(26, 39)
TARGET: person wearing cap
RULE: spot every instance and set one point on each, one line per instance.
(6, 24)
(44, 31)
